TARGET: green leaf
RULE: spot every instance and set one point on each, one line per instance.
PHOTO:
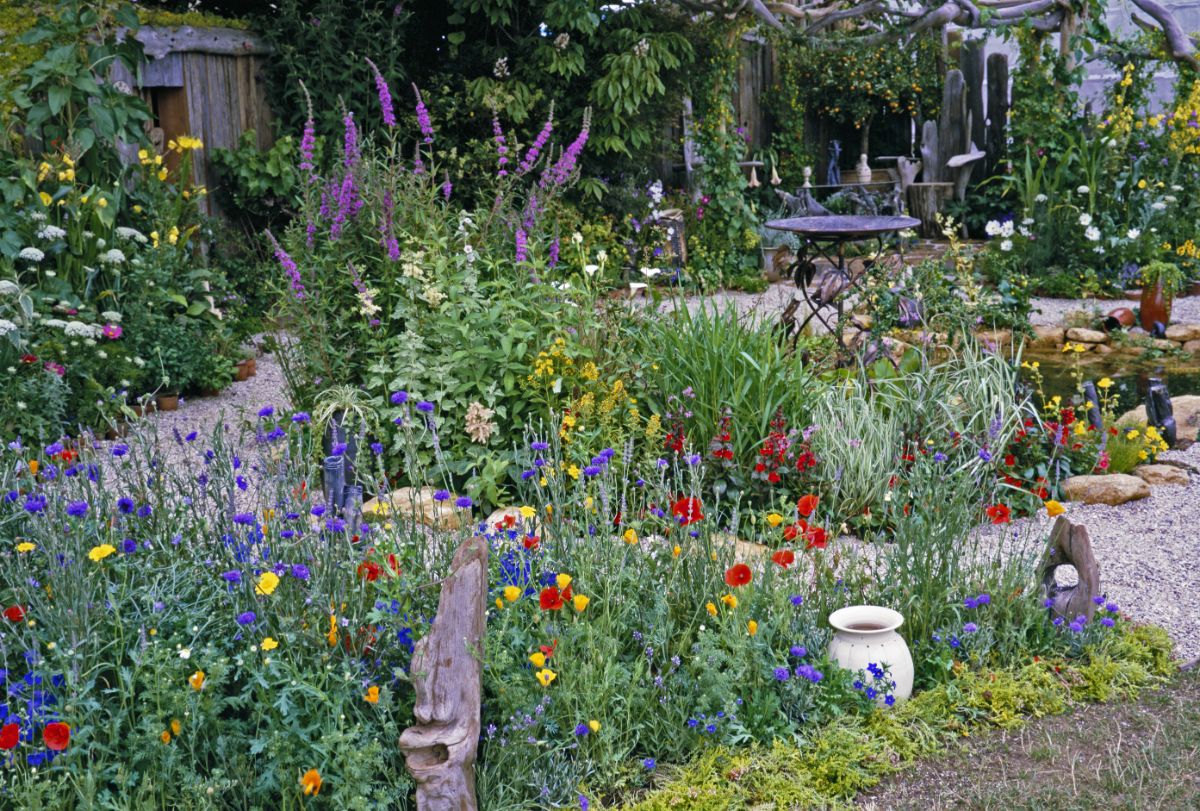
(58, 98)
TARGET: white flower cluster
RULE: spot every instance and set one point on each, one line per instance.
(110, 315)
(54, 323)
(78, 329)
(31, 254)
(51, 232)
(997, 229)
(113, 256)
(131, 233)
(7, 326)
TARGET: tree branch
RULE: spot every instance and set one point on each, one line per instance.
(1179, 45)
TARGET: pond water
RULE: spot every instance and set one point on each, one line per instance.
(1130, 376)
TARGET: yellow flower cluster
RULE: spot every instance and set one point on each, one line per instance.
(1184, 138)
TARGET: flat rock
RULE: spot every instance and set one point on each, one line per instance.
(419, 505)
(1163, 343)
(998, 338)
(1047, 337)
(1104, 349)
(500, 517)
(1159, 475)
(1183, 332)
(1186, 409)
(1192, 346)
(1086, 336)
(1113, 489)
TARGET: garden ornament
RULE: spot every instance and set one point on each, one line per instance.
(1090, 395)
(1159, 411)
(1120, 318)
(802, 204)
(334, 481)
(863, 170)
(1070, 546)
(447, 676)
(807, 172)
(1159, 330)
(833, 176)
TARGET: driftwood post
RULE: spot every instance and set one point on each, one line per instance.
(997, 112)
(447, 671)
(1070, 546)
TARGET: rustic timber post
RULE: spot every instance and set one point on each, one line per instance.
(997, 113)
(447, 674)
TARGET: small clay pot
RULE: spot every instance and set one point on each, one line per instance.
(1156, 308)
(243, 370)
(168, 402)
(1120, 318)
(252, 366)
(1193, 289)
(1133, 295)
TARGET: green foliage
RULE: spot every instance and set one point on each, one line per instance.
(260, 189)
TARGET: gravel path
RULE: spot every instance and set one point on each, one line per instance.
(1051, 312)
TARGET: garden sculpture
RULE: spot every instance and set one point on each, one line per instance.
(1091, 396)
(833, 176)
(1159, 411)
(1070, 546)
(447, 676)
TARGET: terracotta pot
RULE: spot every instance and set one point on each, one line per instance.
(866, 634)
(168, 402)
(1193, 289)
(243, 370)
(1120, 318)
(252, 365)
(138, 409)
(1156, 307)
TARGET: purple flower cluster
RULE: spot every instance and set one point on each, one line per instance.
(350, 153)
(288, 265)
(423, 121)
(385, 96)
(539, 143)
(501, 149)
(558, 174)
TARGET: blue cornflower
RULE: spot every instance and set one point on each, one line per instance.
(287, 533)
(233, 576)
(799, 651)
(1098, 600)
(144, 510)
(243, 518)
(77, 508)
(399, 397)
(463, 502)
(1107, 622)
(247, 618)
(1058, 621)
(983, 599)
(301, 417)
(526, 475)
(318, 510)
(377, 448)
(538, 445)
(693, 460)
(129, 546)
(425, 407)
(276, 434)
(809, 672)
(608, 453)
(782, 674)
(711, 728)
(1112, 608)
(299, 571)
(441, 495)
(266, 411)
(797, 600)
(592, 470)
(335, 525)
(940, 457)
(985, 455)
(954, 642)
(35, 503)
(337, 449)
(890, 700)
(54, 449)
(120, 450)
(649, 763)
(581, 730)
(1076, 627)
(693, 723)
(970, 628)
(1048, 603)
(191, 437)
(969, 602)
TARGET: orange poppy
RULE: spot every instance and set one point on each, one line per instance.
(807, 505)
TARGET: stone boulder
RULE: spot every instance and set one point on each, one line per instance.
(419, 505)
(1183, 332)
(1086, 336)
(1113, 489)
(1159, 475)
(500, 516)
(1047, 337)
(1186, 409)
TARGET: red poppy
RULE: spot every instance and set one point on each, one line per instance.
(784, 558)
(816, 537)
(1010, 460)
(10, 734)
(793, 531)
(999, 513)
(14, 613)
(807, 505)
(550, 599)
(509, 522)
(369, 570)
(29, 359)
(687, 511)
(531, 541)
(56, 735)
(395, 564)
(67, 456)
(738, 575)
(548, 650)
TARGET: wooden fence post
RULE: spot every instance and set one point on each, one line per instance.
(997, 112)
(447, 673)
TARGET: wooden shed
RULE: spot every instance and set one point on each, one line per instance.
(203, 82)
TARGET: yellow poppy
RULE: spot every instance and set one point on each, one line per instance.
(538, 659)
(372, 696)
(528, 512)
(1054, 508)
(729, 600)
(176, 727)
(676, 552)
(196, 680)
(630, 536)
(512, 593)
(545, 676)
(752, 627)
(99, 553)
(594, 725)
(774, 519)
(580, 602)
(711, 608)
(270, 643)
